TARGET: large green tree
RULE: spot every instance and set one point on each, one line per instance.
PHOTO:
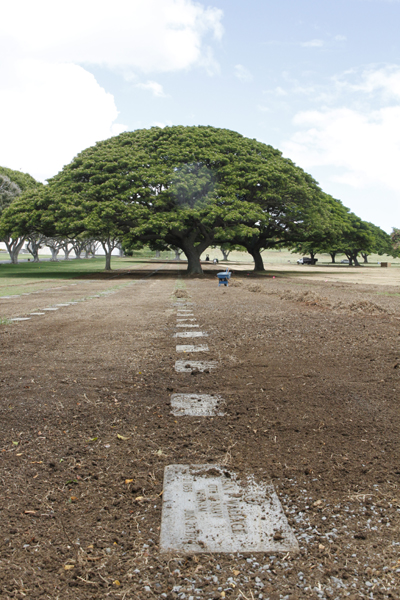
(186, 187)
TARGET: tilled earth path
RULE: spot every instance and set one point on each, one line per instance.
(312, 404)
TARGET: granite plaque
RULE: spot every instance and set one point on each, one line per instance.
(191, 348)
(187, 366)
(190, 334)
(206, 509)
(196, 405)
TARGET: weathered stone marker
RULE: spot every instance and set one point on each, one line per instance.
(191, 348)
(187, 366)
(187, 325)
(196, 405)
(20, 319)
(190, 334)
(205, 509)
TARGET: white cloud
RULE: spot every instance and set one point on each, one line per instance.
(154, 87)
(243, 74)
(52, 107)
(144, 35)
(363, 147)
(340, 38)
(50, 113)
(313, 44)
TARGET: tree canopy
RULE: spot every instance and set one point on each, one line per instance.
(187, 187)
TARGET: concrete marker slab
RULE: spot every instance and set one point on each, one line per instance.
(62, 304)
(187, 366)
(184, 320)
(186, 304)
(37, 314)
(196, 405)
(187, 325)
(190, 334)
(20, 319)
(49, 308)
(206, 509)
(191, 348)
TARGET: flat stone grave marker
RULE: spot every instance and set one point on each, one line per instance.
(20, 319)
(37, 314)
(184, 313)
(196, 405)
(190, 334)
(185, 319)
(191, 348)
(181, 304)
(206, 509)
(187, 325)
(62, 304)
(187, 366)
(49, 308)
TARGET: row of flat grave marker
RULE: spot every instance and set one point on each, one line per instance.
(205, 507)
(52, 308)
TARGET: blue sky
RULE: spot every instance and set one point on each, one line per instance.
(320, 80)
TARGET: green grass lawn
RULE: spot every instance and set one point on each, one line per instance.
(29, 277)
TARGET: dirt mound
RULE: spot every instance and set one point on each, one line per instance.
(309, 298)
(364, 306)
(181, 294)
(255, 287)
(235, 283)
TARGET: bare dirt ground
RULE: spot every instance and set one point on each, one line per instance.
(309, 370)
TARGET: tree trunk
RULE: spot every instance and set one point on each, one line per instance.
(333, 256)
(193, 258)
(121, 251)
(54, 253)
(67, 253)
(365, 257)
(78, 252)
(158, 253)
(177, 255)
(108, 247)
(14, 246)
(225, 253)
(258, 261)
(34, 245)
(108, 261)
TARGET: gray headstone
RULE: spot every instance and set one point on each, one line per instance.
(62, 304)
(206, 509)
(196, 405)
(191, 348)
(37, 314)
(49, 308)
(185, 320)
(187, 325)
(20, 319)
(187, 366)
(190, 334)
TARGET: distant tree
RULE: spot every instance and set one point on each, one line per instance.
(35, 243)
(382, 243)
(55, 245)
(395, 239)
(8, 192)
(13, 184)
(327, 235)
